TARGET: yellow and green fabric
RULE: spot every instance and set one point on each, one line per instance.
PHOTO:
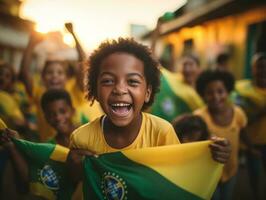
(184, 171)
(47, 170)
(175, 97)
(253, 101)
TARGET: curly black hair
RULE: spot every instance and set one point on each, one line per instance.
(188, 124)
(130, 46)
(214, 75)
(52, 95)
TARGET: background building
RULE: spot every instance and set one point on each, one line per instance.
(209, 27)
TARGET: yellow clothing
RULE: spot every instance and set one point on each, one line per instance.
(154, 131)
(9, 109)
(253, 101)
(230, 132)
(81, 104)
(22, 98)
(45, 130)
(2, 124)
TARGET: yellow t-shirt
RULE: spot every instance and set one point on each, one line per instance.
(154, 131)
(230, 132)
(45, 130)
(9, 109)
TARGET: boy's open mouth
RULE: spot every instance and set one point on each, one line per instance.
(121, 109)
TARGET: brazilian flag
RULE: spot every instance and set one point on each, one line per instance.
(47, 169)
(252, 99)
(184, 171)
(175, 97)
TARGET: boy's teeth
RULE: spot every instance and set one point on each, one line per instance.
(120, 104)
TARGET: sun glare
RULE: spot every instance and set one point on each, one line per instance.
(68, 39)
(41, 28)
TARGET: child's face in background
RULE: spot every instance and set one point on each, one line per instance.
(216, 95)
(6, 78)
(122, 88)
(190, 70)
(54, 76)
(59, 115)
(259, 73)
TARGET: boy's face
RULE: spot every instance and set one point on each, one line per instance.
(54, 76)
(215, 95)
(259, 73)
(122, 88)
(5, 78)
(59, 115)
(190, 70)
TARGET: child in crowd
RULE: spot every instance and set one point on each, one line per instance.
(224, 119)
(190, 128)
(54, 76)
(251, 96)
(15, 105)
(124, 77)
(58, 111)
(190, 69)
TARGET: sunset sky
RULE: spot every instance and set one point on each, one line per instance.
(96, 20)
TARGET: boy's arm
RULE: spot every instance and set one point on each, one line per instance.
(220, 149)
(18, 162)
(155, 36)
(24, 73)
(81, 56)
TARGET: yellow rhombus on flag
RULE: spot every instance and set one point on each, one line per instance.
(185, 171)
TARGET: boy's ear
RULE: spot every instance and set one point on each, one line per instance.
(148, 94)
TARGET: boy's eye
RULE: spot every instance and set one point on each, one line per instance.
(107, 81)
(133, 82)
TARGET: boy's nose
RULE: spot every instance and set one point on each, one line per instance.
(57, 117)
(120, 89)
(216, 96)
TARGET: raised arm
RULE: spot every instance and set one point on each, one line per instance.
(81, 56)
(24, 73)
(155, 36)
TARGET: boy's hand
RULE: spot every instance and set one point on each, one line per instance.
(76, 156)
(74, 163)
(220, 149)
(5, 138)
(69, 27)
